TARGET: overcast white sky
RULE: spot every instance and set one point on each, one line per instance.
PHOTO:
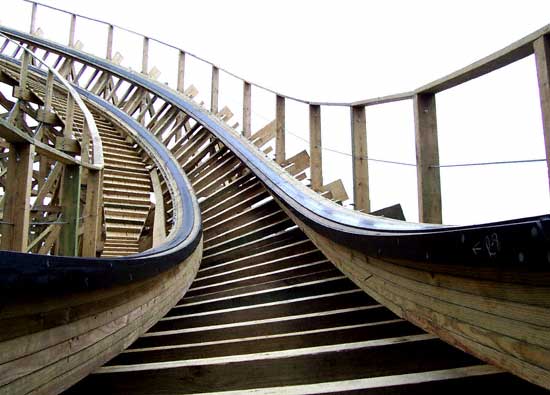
(348, 50)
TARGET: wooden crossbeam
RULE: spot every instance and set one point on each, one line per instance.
(264, 135)
(297, 163)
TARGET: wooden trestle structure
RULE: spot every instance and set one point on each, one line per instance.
(149, 247)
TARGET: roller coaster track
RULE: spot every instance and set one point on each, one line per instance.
(294, 294)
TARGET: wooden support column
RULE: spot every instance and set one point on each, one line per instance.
(70, 210)
(315, 147)
(145, 56)
(427, 158)
(72, 30)
(15, 230)
(32, 29)
(542, 58)
(92, 213)
(361, 197)
(181, 72)
(214, 93)
(280, 129)
(247, 110)
(110, 34)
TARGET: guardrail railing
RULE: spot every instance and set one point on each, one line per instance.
(423, 101)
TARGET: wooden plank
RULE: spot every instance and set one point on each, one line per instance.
(315, 147)
(109, 50)
(247, 109)
(72, 30)
(297, 163)
(280, 129)
(49, 93)
(38, 239)
(384, 99)
(145, 56)
(32, 29)
(70, 201)
(427, 159)
(264, 135)
(15, 231)
(542, 58)
(214, 93)
(510, 54)
(337, 190)
(361, 195)
(181, 72)
(92, 213)
(159, 225)
(47, 186)
(372, 383)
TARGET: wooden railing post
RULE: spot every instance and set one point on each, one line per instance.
(361, 196)
(145, 56)
(15, 230)
(72, 30)
(427, 158)
(247, 110)
(181, 72)
(32, 29)
(110, 34)
(315, 147)
(280, 129)
(215, 90)
(542, 58)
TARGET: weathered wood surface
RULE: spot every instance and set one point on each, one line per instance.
(500, 323)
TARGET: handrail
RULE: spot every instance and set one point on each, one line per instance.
(89, 129)
(509, 54)
(424, 110)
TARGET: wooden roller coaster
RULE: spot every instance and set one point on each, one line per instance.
(149, 247)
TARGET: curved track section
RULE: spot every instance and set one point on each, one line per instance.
(482, 288)
(65, 316)
(269, 314)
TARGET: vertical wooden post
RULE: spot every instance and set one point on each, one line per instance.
(92, 213)
(360, 164)
(315, 147)
(247, 110)
(110, 34)
(427, 158)
(542, 58)
(49, 93)
(215, 90)
(32, 29)
(24, 71)
(70, 208)
(280, 129)
(159, 222)
(72, 30)
(15, 232)
(145, 57)
(181, 72)
(69, 116)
